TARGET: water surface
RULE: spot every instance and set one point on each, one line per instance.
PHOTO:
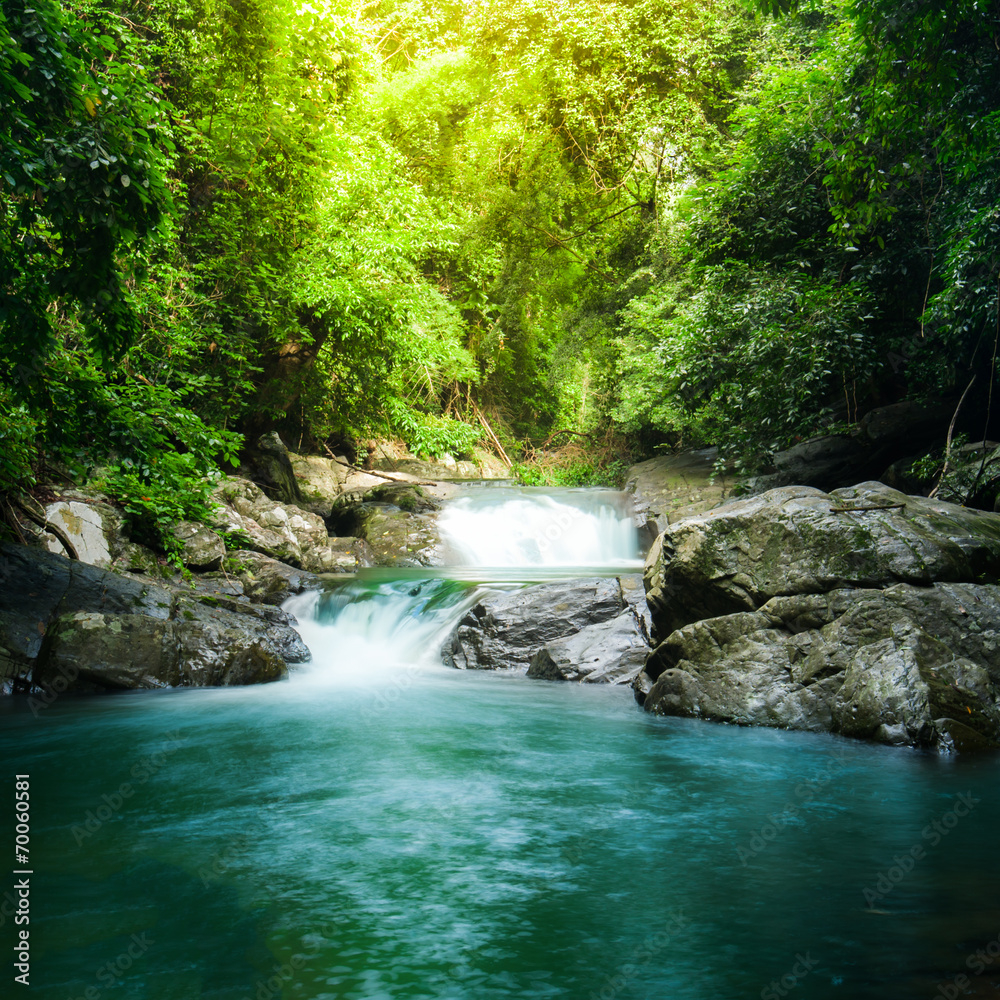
(383, 828)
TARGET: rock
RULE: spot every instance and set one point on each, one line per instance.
(135, 558)
(609, 652)
(396, 520)
(93, 527)
(284, 532)
(90, 653)
(351, 554)
(915, 666)
(320, 482)
(269, 465)
(267, 580)
(505, 630)
(905, 422)
(60, 617)
(665, 489)
(882, 437)
(201, 548)
(270, 627)
(788, 541)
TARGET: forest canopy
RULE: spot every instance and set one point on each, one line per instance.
(655, 223)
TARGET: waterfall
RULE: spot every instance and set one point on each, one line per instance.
(494, 537)
(527, 527)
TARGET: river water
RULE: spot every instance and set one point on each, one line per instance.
(381, 827)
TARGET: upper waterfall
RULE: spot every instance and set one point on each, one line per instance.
(525, 527)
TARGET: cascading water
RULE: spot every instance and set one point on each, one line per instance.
(380, 828)
(492, 537)
(525, 528)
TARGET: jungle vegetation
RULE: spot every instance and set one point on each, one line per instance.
(655, 223)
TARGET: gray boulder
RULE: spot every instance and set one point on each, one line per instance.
(397, 520)
(266, 580)
(798, 540)
(60, 617)
(665, 489)
(201, 548)
(320, 482)
(611, 652)
(89, 653)
(915, 666)
(505, 630)
(281, 531)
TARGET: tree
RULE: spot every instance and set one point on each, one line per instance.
(83, 156)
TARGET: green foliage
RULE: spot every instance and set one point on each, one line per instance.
(82, 158)
(431, 436)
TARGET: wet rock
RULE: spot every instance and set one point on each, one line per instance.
(915, 666)
(201, 548)
(505, 630)
(610, 652)
(791, 541)
(398, 522)
(90, 653)
(60, 617)
(351, 554)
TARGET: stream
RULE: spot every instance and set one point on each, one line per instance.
(382, 827)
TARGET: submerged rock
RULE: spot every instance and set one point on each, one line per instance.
(577, 630)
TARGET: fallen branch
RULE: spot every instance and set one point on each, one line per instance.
(492, 436)
(864, 510)
(379, 475)
(48, 526)
(555, 434)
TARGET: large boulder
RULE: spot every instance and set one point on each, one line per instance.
(282, 531)
(89, 653)
(201, 548)
(60, 617)
(576, 630)
(864, 612)
(665, 489)
(268, 463)
(916, 666)
(397, 520)
(881, 437)
(799, 540)
(611, 652)
(320, 482)
(93, 527)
